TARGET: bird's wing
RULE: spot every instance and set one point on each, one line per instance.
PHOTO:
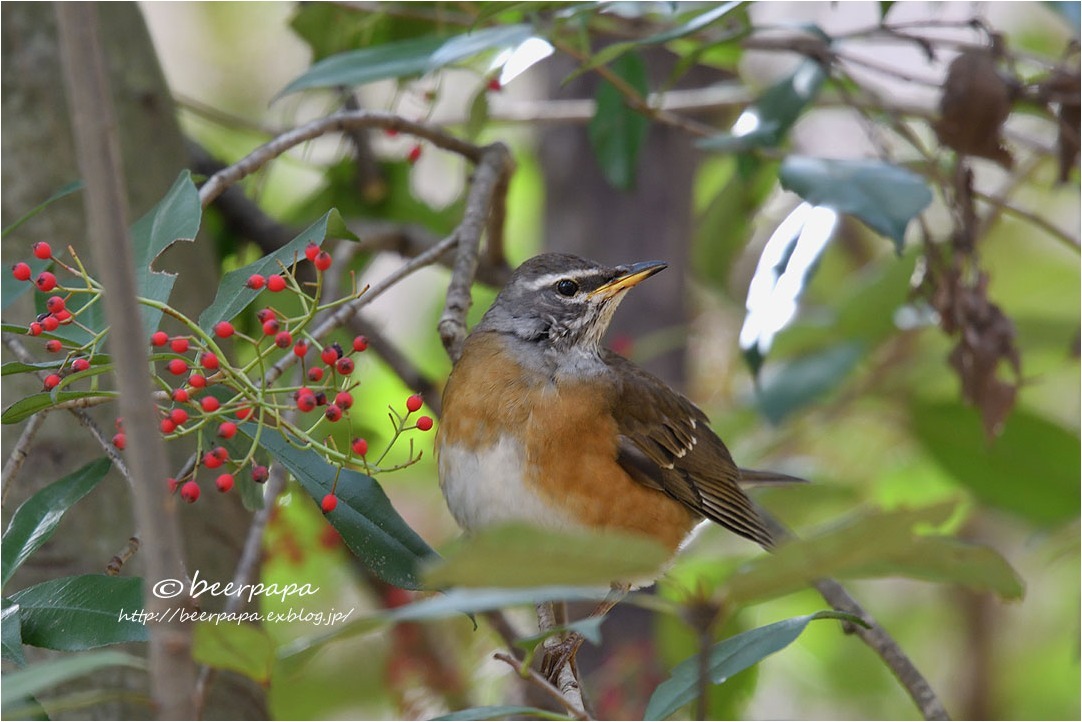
(666, 443)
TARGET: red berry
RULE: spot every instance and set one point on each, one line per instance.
(50, 323)
(35, 328)
(301, 349)
(315, 374)
(244, 412)
(390, 132)
(53, 345)
(270, 327)
(260, 474)
(167, 426)
(197, 381)
(329, 503)
(55, 304)
(45, 281)
(424, 423)
(329, 355)
(360, 343)
(120, 440)
(211, 461)
(322, 261)
(306, 402)
(21, 271)
(413, 403)
(189, 492)
(284, 339)
(256, 282)
(224, 482)
(42, 250)
(223, 329)
(220, 453)
(159, 338)
(264, 314)
(494, 85)
(333, 413)
(80, 364)
(173, 484)
(321, 399)
(311, 251)
(177, 366)
(51, 382)
(179, 344)
(343, 399)
(227, 430)
(178, 416)
(209, 361)
(276, 283)
(360, 447)
(344, 366)
(414, 155)
(180, 395)
(209, 404)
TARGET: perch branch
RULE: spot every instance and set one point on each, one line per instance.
(575, 710)
(97, 149)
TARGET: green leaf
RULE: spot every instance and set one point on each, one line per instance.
(1031, 470)
(478, 114)
(516, 555)
(241, 648)
(874, 545)
(37, 518)
(727, 658)
(501, 712)
(76, 613)
(883, 196)
(467, 601)
(766, 122)
(18, 367)
(404, 58)
(63, 192)
(233, 292)
(805, 379)
(30, 405)
(369, 525)
(41, 677)
(11, 637)
(616, 131)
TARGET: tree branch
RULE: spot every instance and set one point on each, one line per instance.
(97, 148)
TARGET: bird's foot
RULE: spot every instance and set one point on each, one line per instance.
(559, 655)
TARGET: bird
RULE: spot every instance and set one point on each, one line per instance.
(543, 425)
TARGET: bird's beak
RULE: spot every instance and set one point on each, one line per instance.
(630, 276)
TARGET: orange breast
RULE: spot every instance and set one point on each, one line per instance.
(568, 439)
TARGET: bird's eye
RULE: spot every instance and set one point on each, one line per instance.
(567, 287)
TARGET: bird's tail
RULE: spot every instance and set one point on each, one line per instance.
(751, 477)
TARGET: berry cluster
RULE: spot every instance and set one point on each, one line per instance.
(211, 399)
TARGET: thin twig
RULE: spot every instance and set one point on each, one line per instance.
(19, 453)
(547, 687)
(97, 149)
(339, 122)
(404, 368)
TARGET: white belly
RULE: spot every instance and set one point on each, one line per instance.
(484, 488)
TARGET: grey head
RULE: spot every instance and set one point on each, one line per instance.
(563, 302)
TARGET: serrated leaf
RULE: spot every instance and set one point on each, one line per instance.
(884, 197)
(233, 293)
(727, 658)
(11, 638)
(518, 555)
(241, 648)
(369, 525)
(82, 612)
(30, 405)
(43, 676)
(767, 121)
(37, 518)
(616, 131)
(1031, 470)
(507, 711)
(403, 58)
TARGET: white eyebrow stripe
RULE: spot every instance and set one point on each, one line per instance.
(549, 279)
